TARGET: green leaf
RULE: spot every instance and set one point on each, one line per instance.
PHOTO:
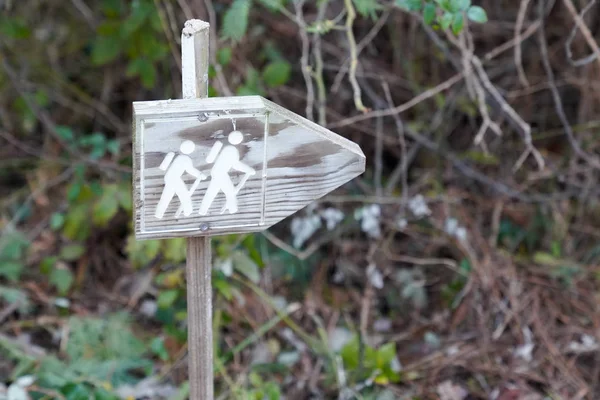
(72, 252)
(235, 21)
(109, 28)
(410, 5)
(11, 270)
(65, 133)
(148, 75)
(56, 221)
(12, 245)
(167, 298)
(76, 391)
(244, 265)
(101, 394)
(350, 354)
(157, 345)
(252, 77)
(77, 226)
(143, 68)
(95, 139)
(142, 252)
(47, 264)
(253, 249)
(174, 250)
(444, 4)
(111, 8)
(224, 55)
(273, 5)
(251, 86)
(107, 206)
(124, 196)
(12, 295)
(367, 8)
(113, 146)
(105, 49)
(73, 191)
(272, 391)
(458, 23)
(385, 354)
(62, 278)
(429, 13)
(14, 28)
(477, 14)
(460, 5)
(445, 20)
(277, 73)
(141, 11)
(224, 288)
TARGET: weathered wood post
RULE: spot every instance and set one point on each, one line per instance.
(194, 77)
(213, 166)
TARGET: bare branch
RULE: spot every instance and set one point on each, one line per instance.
(353, 56)
(304, 61)
(519, 40)
(579, 20)
(560, 111)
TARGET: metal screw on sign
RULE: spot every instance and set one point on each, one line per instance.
(213, 166)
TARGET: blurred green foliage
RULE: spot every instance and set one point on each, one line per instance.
(446, 13)
(100, 354)
(365, 362)
(131, 29)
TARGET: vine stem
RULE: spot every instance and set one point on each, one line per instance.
(350, 17)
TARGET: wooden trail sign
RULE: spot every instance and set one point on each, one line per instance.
(205, 167)
(230, 164)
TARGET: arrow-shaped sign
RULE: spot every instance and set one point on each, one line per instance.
(226, 165)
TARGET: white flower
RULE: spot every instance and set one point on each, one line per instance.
(525, 350)
(587, 344)
(332, 217)
(338, 338)
(418, 206)
(369, 217)
(375, 276)
(401, 223)
(452, 228)
(303, 228)
(17, 391)
(225, 266)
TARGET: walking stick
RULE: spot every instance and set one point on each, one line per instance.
(192, 190)
(237, 190)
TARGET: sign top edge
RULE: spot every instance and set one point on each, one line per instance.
(151, 106)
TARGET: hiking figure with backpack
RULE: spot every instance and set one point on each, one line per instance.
(225, 158)
(176, 167)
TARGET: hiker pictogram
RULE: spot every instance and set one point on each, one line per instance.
(225, 158)
(176, 167)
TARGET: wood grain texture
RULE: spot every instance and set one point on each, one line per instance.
(199, 304)
(297, 161)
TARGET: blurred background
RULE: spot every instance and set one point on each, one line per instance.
(464, 263)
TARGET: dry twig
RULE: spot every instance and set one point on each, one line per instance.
(589, 38)
(519, 39)
(304, 60)
(351, 15)
(560, 111)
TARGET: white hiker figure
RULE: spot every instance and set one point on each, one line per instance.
(176, 167)
(225, 160)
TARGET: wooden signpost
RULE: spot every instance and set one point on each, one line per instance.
(212, 166)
